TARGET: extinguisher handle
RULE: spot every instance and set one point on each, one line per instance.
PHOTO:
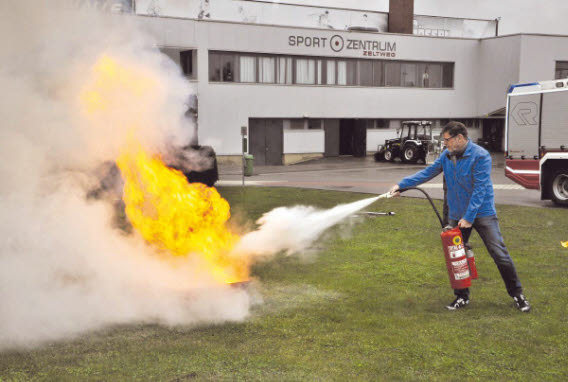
(401, 190)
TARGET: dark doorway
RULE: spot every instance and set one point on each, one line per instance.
(353, 137)
(493, 134)
(266, 142)
(331, 128)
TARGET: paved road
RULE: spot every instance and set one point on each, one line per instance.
(365, 175)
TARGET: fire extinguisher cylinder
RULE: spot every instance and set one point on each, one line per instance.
(456, 258)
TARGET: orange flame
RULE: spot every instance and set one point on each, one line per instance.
(564, 244)
(178, 217)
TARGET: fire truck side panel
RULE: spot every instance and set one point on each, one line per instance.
(554, 127)
(524, 172)
(523, 126)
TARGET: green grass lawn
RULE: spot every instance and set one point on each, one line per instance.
(368, 306)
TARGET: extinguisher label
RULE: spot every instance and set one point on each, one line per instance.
(460, 269)
(457, 252)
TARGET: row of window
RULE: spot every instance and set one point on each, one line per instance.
(318, 124)
(280, 69)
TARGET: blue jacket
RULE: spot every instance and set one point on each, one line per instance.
(470, 190)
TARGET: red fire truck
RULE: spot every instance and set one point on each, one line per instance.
(536, 138)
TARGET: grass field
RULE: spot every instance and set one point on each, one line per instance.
(369, 305)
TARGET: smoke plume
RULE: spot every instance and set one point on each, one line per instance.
(64, 267)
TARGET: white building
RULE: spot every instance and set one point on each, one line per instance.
(310, 92)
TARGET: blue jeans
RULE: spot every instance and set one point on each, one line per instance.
(488, 229)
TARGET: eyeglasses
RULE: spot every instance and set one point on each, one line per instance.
(446, 140)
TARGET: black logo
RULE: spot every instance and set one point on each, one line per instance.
(525, 113)
(336, 43)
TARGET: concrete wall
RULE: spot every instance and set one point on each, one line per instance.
(539, 55)
(498, 67)
(377, 137)
(303, 141)
(515, 59)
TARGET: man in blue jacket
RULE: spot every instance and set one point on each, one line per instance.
(467, 171)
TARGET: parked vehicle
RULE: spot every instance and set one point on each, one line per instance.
(536, 138)
(414, 142)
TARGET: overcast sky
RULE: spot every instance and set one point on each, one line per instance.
(528, 16)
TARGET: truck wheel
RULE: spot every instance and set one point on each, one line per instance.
(410, 154)
(559, 187)
(388, 155)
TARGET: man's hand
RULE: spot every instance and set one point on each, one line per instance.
(394, 191)
(464, 224)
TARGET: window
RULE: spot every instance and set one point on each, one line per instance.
(221, 67)
(315, 124)
(330, 74)
(186, 59)
(448, 75)
(305, 71)
(341, 72)
(378, 124)
(214, 67)
(408, 75)
(247, 66)
(284, 72)
(297, 124)
(351, 72)
(266, 70)
(392, 73)
(365, 72)
(378, 78)
(561, 70)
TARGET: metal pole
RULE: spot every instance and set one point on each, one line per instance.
(243, 133)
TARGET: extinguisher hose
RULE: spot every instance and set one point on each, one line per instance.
(429, 199)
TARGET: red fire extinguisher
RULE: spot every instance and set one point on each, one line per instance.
(459, 258)
(456, 258)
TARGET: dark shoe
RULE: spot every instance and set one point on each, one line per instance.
(459, 302)
(522, 303)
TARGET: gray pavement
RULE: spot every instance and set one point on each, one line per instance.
(367, 176)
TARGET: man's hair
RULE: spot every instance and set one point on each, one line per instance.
(455, 128)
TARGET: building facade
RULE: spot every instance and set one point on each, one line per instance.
(305, 93)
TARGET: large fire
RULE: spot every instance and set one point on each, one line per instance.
(176, 217)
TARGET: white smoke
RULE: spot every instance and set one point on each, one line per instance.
(63, 269)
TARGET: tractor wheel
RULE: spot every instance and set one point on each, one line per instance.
(379, 156)
(558, 187)
(410, 154)
(388, 155)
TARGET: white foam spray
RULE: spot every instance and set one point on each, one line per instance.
(294, 229)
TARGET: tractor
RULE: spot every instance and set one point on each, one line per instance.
(414, 142)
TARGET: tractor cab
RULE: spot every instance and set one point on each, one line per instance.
(414, 142)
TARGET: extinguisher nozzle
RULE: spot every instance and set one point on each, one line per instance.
(386, 195)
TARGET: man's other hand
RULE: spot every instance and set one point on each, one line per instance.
(464, 224)
(394, 191)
